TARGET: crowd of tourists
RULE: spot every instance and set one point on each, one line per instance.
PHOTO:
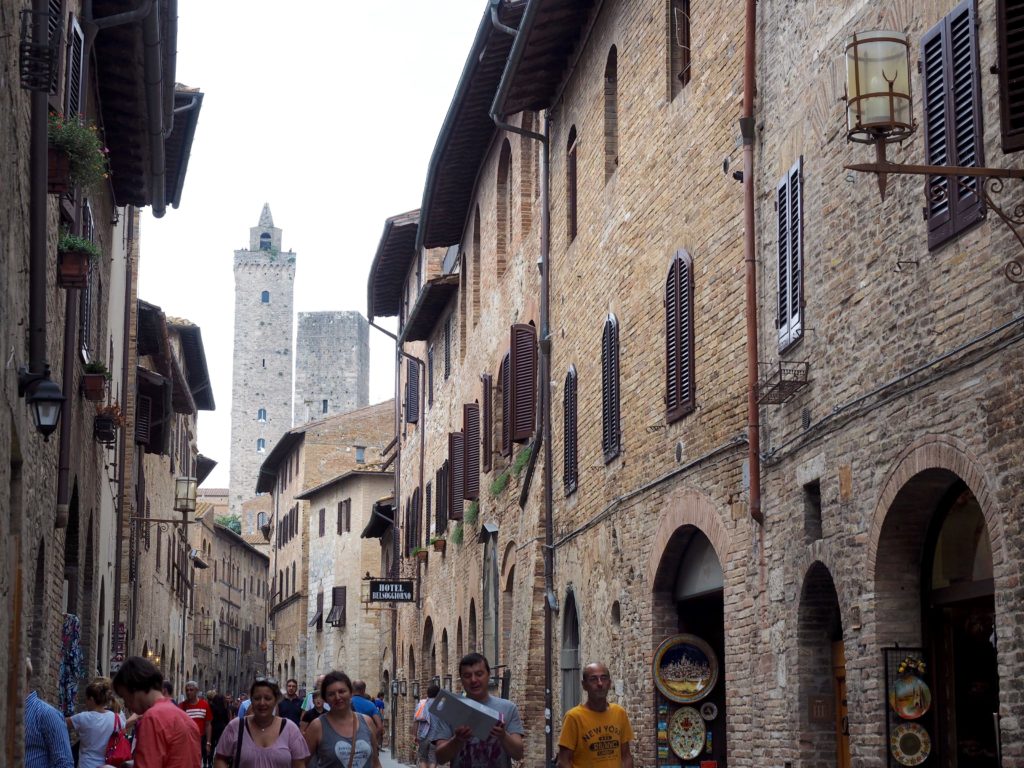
(335, 726)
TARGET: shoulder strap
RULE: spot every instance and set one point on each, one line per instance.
(283, 719)
(242, 728)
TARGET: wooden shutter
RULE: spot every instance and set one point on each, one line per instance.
(74, 102)
(338, 600)
(487, 418)
(348, 515)
(679, 379)
(323, 521)
(442, 498)
(506, 406)
(570, 185)
(1010, 40)
(523, 346)
(428, 511)
(570, 461)
(412, 392)
(610, 434)
(471, 451)
(447, 348)
(143, 419)
(456, 477)
(952, 121)
(430, 376)
(319, 615)
(417, 518)
(789, 262)
(55, 33)
(340, 523)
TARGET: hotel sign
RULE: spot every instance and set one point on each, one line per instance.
(391, 591)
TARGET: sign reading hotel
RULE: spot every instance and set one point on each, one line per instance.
(399, 591)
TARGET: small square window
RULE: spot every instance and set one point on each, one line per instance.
(360, 454)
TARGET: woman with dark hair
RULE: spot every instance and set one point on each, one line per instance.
(267, 741)
(221, 716)
(95, 724)
(341, 738)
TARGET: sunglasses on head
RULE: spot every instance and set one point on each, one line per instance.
(271, 680)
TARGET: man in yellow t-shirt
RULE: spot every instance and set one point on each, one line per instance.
(596, 733)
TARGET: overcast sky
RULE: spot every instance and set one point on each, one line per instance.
(326, 109)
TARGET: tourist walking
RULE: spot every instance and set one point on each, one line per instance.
(426, 752)
(262, 739)
(201, 714)
(596, 733)
(222, 715)
(342, 738)
(47, 744)
(461, 748)
(291, 705)
(313, 713)
(364, 705)
(165, 737)
(95, 724)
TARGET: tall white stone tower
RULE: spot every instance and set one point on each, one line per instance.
(332, 364)
(261, 383)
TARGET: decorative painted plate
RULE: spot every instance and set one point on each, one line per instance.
(910, 744)
(685, 669)
(910, 697)
(709, 710)
(686, 732)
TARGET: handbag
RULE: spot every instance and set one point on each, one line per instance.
(119, 749)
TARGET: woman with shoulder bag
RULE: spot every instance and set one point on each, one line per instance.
(261, 739)
(95, 724)
(341, 738)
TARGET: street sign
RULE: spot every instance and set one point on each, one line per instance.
(391, 591)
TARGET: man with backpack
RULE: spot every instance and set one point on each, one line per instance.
(426, 752)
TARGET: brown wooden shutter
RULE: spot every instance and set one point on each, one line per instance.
(143, 419)
(456, 477)
(471, 451)
(55, 34)
(679, 359)
(430, 376)
(442, 498)
(487, 418)
(319, 615)
(341, 519)
(1010, 40)
(610, 434)
(428, 511)
(611, 114)
(412, 392)
(417, 517)
(570, 461)
(570, 185)
(323, 521)
(74, 102)
(523, 374)
(789, 262)
(348, 515)
(506, 406)
(952, 121)
(338, 600)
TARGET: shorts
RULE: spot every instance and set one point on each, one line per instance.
(426, 751)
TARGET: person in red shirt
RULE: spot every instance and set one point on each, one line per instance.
(200, 712)
(164, 735)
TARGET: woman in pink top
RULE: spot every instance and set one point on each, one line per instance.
(268, 741)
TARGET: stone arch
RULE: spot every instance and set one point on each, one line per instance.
(445, 668)
(937, 452)
(427, 649)
(687, 507)
(503, 212)
(37, 630)
(471, 637)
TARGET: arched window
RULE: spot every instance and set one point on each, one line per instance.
(527, 176)
(261, 415)
(261, 445)
(678, 45)
(504, 242)
(570, 456)
(611, 436)
(570, 185)
(611, 114)
(265, 297)
(265, 241)
(570, 663)
(679, 379)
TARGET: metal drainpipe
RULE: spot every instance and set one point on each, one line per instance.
(38, 235)
(750, 259)
(67, 386)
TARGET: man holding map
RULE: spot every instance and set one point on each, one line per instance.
(459, 746)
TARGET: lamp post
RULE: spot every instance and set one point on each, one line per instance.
(185, 489)
(44, 399)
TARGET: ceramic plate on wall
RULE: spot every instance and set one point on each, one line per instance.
(910, 697)
(910, 744)
(685, 669)
(686, 732)
(709, 710)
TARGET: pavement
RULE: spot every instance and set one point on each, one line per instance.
(387, 761)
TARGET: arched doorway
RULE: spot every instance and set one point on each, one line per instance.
(569, 663)
(688, 597)
(471, 630)
(824, 724)
(942, 601)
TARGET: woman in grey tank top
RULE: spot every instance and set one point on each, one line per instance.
(341, 738)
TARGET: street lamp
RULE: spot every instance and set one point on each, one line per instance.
(447, 682)
(44, 399)
(415, 689)
(185, 494)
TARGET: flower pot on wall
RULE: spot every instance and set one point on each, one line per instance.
(72, 269)
(422, 555)
(58, 174)
(94, 386)
(439, 545)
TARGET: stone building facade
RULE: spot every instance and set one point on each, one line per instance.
(332, 364)
(344, 631)
(888, 483)
(261, 380)
(64, 520)
(303, 458)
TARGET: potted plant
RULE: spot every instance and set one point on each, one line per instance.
(439, 544)
(94, 381)
(73, 256)
(421, 553)
(76, 153)
(108, 420)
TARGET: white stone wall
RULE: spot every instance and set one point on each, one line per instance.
(332, 364)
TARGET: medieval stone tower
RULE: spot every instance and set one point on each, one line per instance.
(332, 364)
(261, 383)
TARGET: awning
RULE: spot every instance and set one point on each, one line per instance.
(316, 618)
(336, 615)
(381, 518)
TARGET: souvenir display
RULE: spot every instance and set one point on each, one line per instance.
(910, 744)
(686, 733)
(709, 710)
(685, 669)
(910, 697)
